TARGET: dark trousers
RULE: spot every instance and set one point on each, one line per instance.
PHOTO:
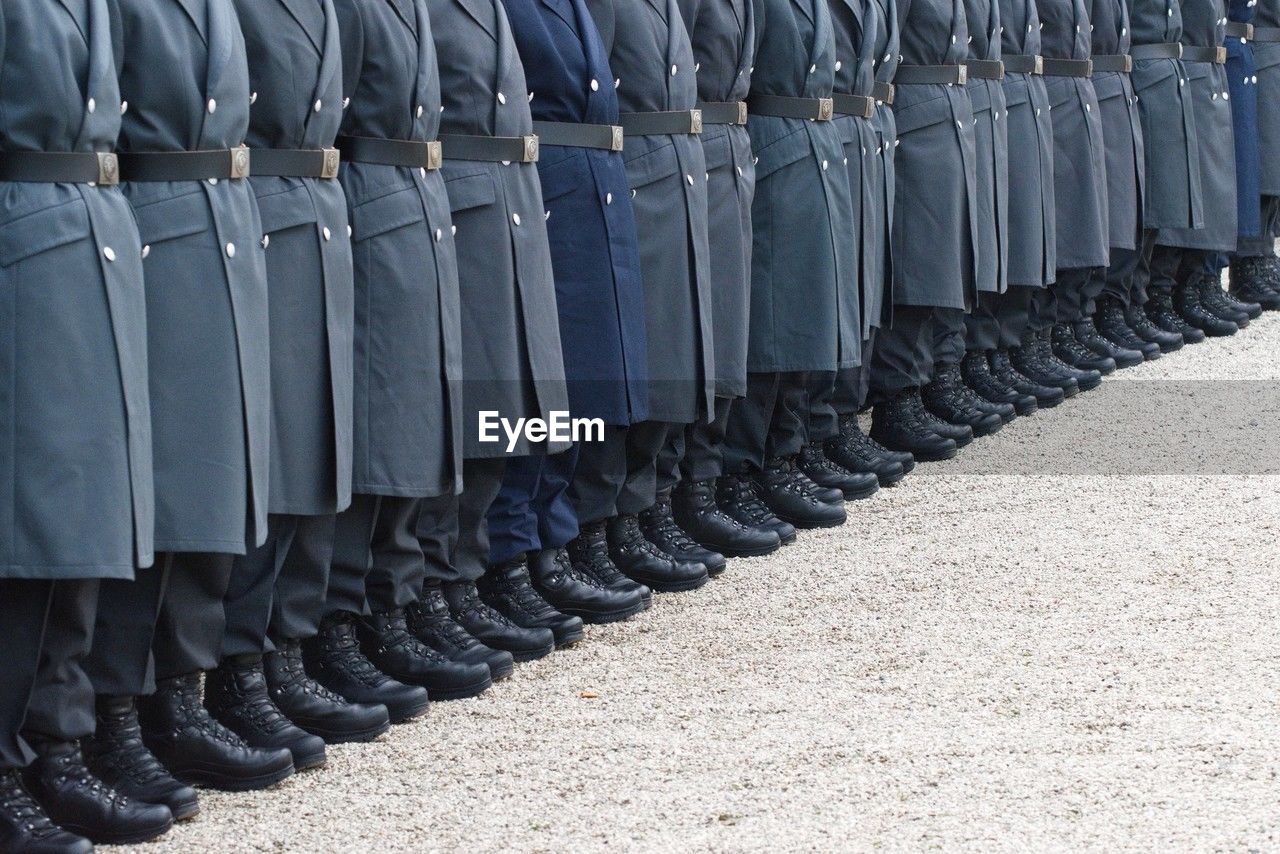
(1067, 300)
(619, 476)
(277, 589)
(1263, 245)
(1126, 278)
(1014, 314)
(532, 510)
(45, 693)
(168, 622)
(377, 562)
(823, 421)
(982, 325)
(948, 336)
(853, 384)
(769, 422)
(454, 533)
(903, 356)
(694, 452)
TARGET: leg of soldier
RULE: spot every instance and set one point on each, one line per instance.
(902, 364)
(512, 518)
(747, 431)
(946, 396)
(248, 602)
(24, 608)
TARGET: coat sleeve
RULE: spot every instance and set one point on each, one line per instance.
(351, 36)
(602, 13)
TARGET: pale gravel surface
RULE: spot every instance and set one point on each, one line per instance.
(976, 661)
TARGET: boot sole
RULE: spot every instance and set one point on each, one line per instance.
(310, 762)
(811, 524)
(861, 494)
(207, 779)
(409, 713)
(132, 837)
(890, 480)
(756, 552)
(595, 618)
(532, 654)
(347, 736)
(676, 586)
(570, 640)
(472, 690)
(186, 812)
(936, 456)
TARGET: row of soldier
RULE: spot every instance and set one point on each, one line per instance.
(265, 263)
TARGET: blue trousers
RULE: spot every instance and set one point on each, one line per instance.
(532, 511)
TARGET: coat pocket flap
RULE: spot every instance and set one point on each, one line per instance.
(1267, 56)
(169, 219)
(1108, 86)
(924, 114)
(470, 191)
(717, 148)
(1016, 93)
(43, 230)
(287, 209)
(386, 213)
(1152, 73)
(782, 152)
(654, 159)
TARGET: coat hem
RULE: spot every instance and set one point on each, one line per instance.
(68, 572)
(402, 491)
(233, 547)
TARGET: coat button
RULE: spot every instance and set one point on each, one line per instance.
(420, 111)
(212, 106)
(689, 178)
(317, 106)
(674, 69)
(595, 85)
(502, 99)
(108, 253)
(93, 105)
(213, 182)
(422, 172)
(326, 232)
(124, 107)
(812, 68)
(839, 65)
(350, 231)
(824, 166)
(146, 250)
(253, 99)
(515, 218)
(453, 229)
(231, 250)
(346, 102)
(439, 234)
(608, 198)
(266, 240)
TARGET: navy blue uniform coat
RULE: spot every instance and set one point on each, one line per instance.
(407, 434)
(1242, 81)
(75, 474)
(186, 80)
(591, 226)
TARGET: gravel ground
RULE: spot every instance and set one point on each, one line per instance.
(986, 657)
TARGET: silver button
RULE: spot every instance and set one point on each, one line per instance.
(253, 99)
(93, 105)
(213, 182)
(146, 250)
(1088, 108)
(502, 99)
(824, 166)
(350, 231)
(812, 68)
(422, 172)
(421, 109)
(266, 240)
(739, 168)
(953, 39)
(453, 229)
(608, 198)
(1254, 79)
(839, 65)
(595, 85)
(326, 232)
(212, 106)
(439, 234)
(108, 253)
(317, 106)
(617, 83)
(515, 218)
(689, 179)
(546, 215)
(124, 107)
(231, 250)
(346, 102)
(674, 69)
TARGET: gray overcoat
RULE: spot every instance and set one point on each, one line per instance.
(295, 75)
(879, 168)
(75, 473)
(1266, 55)
(186, 81)
(990, 115)
(408, 344)
(1121, 126)
(511, 358)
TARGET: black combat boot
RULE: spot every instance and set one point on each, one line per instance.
(854, 451)
(333, 658)
(1028, 358)
(386, 641)
(975, 370)
(1164, 315)
(659, 526)
(1086, 332)
(1213, 284)
(25, 828)
(314, 707)
(851, 432)
(944, 398)
(742, 500)
(1070, 350)
(1250, 282)
(236, 694)
(493, 628)
(694, 507)
(825, 472)
(895, 424)
(1186, 301)
(1047, 396)
(1113, 325)
(430, 621)
(961, 434)
(1141, 324)
(1086, 379)
(1215, 299)
(789, 494)
(197, 749)
(508, 589)
(645, 563)
(117, 757)
(589, 554)
(571, 590)
(80, 803)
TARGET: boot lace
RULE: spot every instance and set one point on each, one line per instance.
(71, 769)
(343, 650)
(296, 678)
(472, 604)
(662, 524)
(592, 556)
(430, 617)
(21, 809)
(128, 755)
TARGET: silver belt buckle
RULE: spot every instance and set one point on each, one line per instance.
(962, 74)
(1128, 63)
(1248, 31)
(1179, 56)
(826, 109)
(1088, 68)
(616, 140)
(695, 121)
(332, 160)
(1221, 56)
(241, 162)
(742, 112)
(108, 169)
(435, 155)
(530, 154)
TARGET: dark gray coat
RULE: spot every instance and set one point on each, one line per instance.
(295, 75)
(1033, 251)
(408, 343)
(511, 355)
(1080, 155)
(879, 168)
(1173, 194)
(186, 80)
(1266, 55)
(1203, 25)
(75, 473)
(805, 297)
(723, 33)
(1121, 126)
(935, 232)
(990, 115)
(652, 60)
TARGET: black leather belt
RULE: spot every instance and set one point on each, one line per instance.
(930, 75)
(1266, 34)
(1239, 30)
(185, 165)
(662, 123)
(1067, 67)
(579, 135)
(853, 105)
(882, 92)
(60, 167)
(491, 149)
(1168, 50)
(1024, 64)
(297, 162)
(723, 112)
(1120, 62)
(412, 154)
(1216, 55)
(985, 69)
(782, 106)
